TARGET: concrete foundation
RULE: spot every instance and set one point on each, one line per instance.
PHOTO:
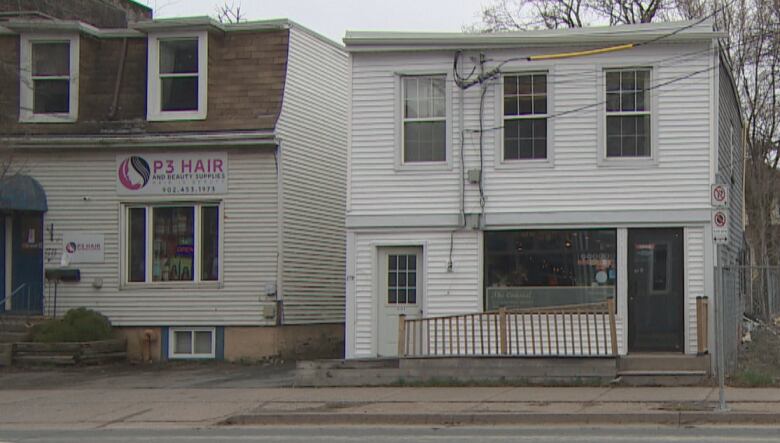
(289, 342)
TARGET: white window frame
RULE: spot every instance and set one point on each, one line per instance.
(548, 162)
(154, 110)
(651, 101)
(400, 164)
(172, 355)
(26, 86)
(149, 252)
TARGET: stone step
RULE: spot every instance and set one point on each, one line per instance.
(44, 360)
(6, 354)
(13, 336)
(663, 362)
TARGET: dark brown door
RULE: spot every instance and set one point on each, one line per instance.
(655, 290)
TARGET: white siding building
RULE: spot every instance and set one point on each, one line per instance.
(484, 175)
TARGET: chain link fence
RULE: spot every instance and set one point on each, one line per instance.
(746, 298)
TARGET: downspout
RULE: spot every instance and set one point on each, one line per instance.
(280, 233)
(117, 86)
(461, 123)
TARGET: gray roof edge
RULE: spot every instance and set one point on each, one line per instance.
(670, 31)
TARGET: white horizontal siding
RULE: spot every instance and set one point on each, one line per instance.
(577, 181)
(695, 270)
(313, 132)
(249, 244)
(445, 293)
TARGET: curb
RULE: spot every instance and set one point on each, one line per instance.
(498, 419)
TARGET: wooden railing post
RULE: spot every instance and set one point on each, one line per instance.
(402, 335)
(612, 325)
(702, 326)
(503, 329)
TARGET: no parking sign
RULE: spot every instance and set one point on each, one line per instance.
(720, 226)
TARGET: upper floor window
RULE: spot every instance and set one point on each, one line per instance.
(424, 119)
(49, 67)
(525, 117)
(628, 113)
(177, 77)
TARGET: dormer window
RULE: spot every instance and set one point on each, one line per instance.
(177, 76)
(48, 91)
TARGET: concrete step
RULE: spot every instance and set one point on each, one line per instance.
(374, 363)
(663, 362)
(662, 378)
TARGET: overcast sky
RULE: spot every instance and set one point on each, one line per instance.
(333, 17)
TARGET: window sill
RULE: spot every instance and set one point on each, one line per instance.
(47, 118)
(423, 167)
(176, 116)
(192, 357)
(170, 286)
(524, 164)
(628, 163)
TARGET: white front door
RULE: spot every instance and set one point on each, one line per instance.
(400, 292)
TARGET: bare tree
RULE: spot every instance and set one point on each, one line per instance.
(230, 12)
(503, 15)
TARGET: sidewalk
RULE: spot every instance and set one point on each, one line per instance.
(206, 396)
(197, 408)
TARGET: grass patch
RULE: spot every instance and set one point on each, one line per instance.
(78, 325)
(752, 378)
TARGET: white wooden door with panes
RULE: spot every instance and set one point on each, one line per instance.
(400, 292)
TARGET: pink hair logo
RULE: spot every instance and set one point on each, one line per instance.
(134, 173)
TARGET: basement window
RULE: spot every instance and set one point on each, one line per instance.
(177, 76)
(191, 343)
(48, 91)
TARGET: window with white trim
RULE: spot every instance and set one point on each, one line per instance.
(525, 117)
(49, 70)
(628, 113)
(192, 343)
(172, 243)
(178, 80)
(424, 118)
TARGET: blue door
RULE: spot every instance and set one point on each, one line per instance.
(2, 262)
(27, 265)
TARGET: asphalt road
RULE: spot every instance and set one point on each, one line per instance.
(406, 434)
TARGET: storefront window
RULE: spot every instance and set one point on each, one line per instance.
(169, 243)
(543, 268)
(209, 241)
(137, 246)
(174, 244)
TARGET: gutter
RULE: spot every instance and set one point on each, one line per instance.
(241, 139)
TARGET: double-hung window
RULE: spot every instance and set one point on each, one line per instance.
(172, 243)
(628, 113)
(424, 119)
(177, 77)
(49, 79)
(525, 117)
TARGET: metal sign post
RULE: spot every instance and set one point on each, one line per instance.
(720, 234)
(720, 355)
